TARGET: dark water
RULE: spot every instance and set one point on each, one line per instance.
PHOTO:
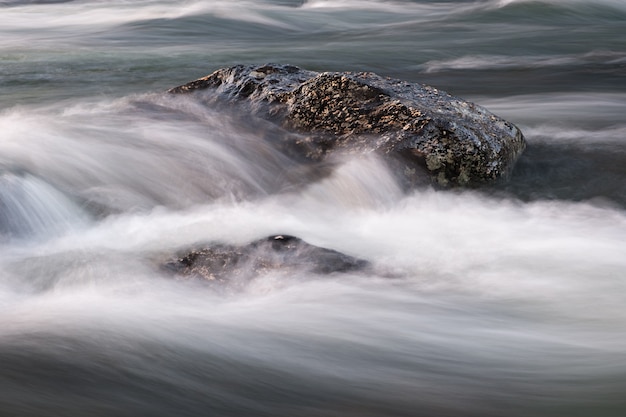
(503, 301)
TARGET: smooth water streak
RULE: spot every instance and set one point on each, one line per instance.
(502, 300)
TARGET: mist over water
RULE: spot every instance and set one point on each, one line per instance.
(502, 300)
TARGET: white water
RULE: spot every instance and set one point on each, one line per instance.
(474, 302)
(503, 301)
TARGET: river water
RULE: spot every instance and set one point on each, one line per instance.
(506, 300)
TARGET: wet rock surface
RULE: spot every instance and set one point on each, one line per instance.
(223, 263)
(456, 142)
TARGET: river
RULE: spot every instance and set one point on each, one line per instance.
(506, 300)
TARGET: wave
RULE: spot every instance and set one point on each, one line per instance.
(288, 14)
(129, 154)
(582, 137)
(77, 15)
(579, 111)
(461, 242)
(474, 299)
(566, 4)
(29, 207)
(488, 62)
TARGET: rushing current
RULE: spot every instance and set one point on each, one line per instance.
(505, 300)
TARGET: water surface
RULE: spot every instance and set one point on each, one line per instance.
(500, 301)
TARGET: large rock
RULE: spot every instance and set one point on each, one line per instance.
(223, 263)
(457, 142)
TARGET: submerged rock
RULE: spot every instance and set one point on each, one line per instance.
(456, 142)
(225, 263)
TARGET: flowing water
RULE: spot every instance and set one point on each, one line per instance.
(507, 300)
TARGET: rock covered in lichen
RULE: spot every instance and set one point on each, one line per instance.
(457, 142)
